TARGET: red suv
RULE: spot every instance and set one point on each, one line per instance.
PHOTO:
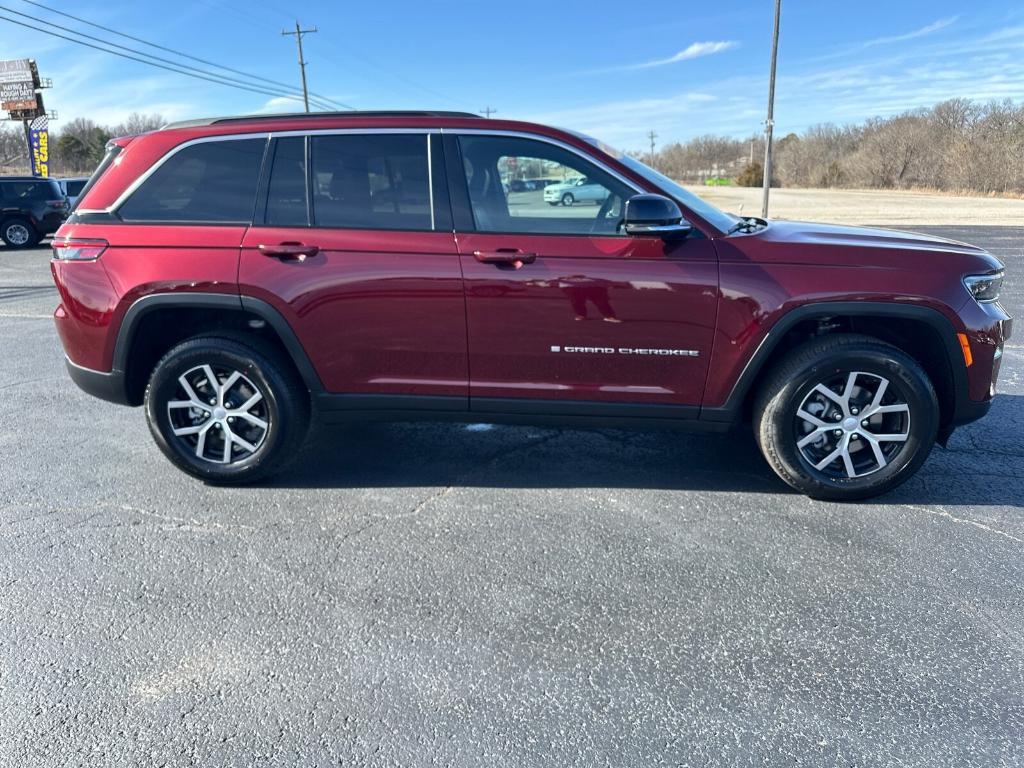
(241, 276)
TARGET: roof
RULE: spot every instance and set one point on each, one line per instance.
(353, 113)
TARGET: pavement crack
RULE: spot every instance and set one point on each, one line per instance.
(940, 512)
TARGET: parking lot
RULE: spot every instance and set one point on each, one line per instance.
(419, 594)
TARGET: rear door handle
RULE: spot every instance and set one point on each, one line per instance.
(290, 251)
(505, 256)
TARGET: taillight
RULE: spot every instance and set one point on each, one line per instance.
(77, 249)
(60, 205)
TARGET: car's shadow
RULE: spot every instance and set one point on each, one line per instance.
(983, 465)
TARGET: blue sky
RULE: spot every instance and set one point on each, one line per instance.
(614, 70)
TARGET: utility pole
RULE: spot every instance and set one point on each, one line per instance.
(652, 136)
(487, 112)
(769, 124)
(299, 32)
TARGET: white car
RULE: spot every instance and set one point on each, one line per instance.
(575, 190)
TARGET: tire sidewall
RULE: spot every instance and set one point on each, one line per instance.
(913, 386)
(163, 387)
(33, 236)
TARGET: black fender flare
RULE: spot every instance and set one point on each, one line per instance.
(231, 302)
(764, 354)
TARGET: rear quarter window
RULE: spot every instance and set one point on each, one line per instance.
(32, 190)
(212, 181)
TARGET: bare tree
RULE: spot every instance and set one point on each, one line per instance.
(137, 123)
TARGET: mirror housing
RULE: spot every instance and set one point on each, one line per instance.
(654, 215)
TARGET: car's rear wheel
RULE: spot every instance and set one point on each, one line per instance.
(226, 412)
(568, 199)
(18, 233)
(846, 417)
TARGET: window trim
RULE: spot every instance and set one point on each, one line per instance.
(134, 186)
(441, 131)
(468, 225)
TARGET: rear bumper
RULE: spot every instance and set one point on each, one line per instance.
(106, 385)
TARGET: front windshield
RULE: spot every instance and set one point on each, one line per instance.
(720, 220)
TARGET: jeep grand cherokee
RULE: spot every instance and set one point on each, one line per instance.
(239, 277)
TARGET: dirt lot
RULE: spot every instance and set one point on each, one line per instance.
(868, 206)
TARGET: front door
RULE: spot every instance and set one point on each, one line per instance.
(358, 256)
(561, 306)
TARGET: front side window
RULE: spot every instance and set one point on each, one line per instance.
(371, 181)
(213, 181)
(528, 186)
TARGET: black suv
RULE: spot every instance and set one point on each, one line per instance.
(29, 209)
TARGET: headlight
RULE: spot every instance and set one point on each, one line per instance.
(984, 287)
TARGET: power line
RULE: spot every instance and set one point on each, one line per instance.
(181, 54)
(212, 79)
(203, 74)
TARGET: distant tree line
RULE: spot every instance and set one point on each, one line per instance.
(958, 146)
(76, 148)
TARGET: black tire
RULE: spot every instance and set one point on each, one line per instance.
(283, 406)
(19, 233)
(568, 199)
(792, 385)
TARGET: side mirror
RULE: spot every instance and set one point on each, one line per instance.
(654, 215)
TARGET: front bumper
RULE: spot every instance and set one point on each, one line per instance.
(106, 385)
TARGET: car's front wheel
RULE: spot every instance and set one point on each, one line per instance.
(846, 417)
(18, 233)
(226, 412)
(568, 199)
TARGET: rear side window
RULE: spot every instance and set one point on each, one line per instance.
(363, 181)
(32, 191)
(213, 181)
(74, 187)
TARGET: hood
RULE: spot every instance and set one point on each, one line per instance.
(809, 242)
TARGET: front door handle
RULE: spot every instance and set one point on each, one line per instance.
(512, 257)
(290, 251)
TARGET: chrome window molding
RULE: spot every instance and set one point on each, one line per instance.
(267, 135)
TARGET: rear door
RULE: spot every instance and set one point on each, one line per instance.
(562, 306)
(358, 256)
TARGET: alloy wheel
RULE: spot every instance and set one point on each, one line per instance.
(852, 425)
(17, 234)
(219, 414)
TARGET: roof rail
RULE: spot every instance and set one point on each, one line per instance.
(354, 113)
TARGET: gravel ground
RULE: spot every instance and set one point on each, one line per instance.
(416, 595)
(888, 208)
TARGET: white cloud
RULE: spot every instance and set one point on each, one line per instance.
(692, 51)
(935, 26)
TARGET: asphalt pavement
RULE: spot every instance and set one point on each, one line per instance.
(419, 594)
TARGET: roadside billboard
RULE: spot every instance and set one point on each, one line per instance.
(17, 85)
